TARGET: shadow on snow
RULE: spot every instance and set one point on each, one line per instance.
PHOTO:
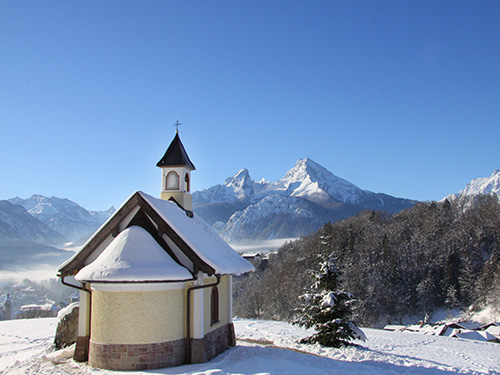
(249, 360)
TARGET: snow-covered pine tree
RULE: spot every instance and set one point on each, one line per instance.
(328, 309)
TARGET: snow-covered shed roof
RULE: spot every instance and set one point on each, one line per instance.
(474, 335)
(189, 241)
(494, 330)
(133, 256)
(176, 155)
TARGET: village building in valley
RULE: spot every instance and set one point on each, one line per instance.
(155, 280)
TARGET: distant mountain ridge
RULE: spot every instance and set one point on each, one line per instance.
(240, 209)
(17, 224)
(306, 179)
(64, 216)
(32, 230)
(303, 200)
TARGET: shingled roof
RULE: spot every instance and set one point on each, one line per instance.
(176, 155)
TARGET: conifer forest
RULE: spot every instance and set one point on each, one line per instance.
(433, 256)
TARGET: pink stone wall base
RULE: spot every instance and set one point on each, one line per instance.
(213, 344)
(137, 357)
(125, 357)
(81, 349)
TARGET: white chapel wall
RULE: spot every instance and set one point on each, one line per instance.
(224, 306)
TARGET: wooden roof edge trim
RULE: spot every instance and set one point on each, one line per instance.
(177, 166)
(72, 267)
(198, 263)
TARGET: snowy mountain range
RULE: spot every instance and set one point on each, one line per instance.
(17, 224)
(239, 209)
(66, 217)
(302, 201)
(31, 230)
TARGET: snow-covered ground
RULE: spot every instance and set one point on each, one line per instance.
(266, 347)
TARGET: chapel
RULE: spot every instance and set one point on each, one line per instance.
(155, 280)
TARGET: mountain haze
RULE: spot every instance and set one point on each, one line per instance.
(31, 230)
(302, 201)
(66, 217)
(17, 224)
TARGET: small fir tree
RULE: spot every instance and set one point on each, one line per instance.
(328, 310)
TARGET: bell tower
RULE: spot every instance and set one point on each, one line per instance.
(176, 173)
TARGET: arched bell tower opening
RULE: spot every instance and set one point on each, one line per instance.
(172, 181)
(186, 180)
(176, 170)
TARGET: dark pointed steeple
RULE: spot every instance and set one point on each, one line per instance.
(176, 170)
(176, 155)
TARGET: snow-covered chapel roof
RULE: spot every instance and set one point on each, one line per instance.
(189, 241)
(133, 256)
(201, 237)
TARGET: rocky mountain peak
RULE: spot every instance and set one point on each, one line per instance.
(305, 198)
(308, 178)
(239, 180)
(479, 186)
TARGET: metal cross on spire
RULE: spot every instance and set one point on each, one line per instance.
(177, 124)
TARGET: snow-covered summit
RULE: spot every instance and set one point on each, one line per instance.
(306, 179)
(306, 197)
(309, 179)
(241, 184)
(240, 187)
(485, 185)
(480, 186)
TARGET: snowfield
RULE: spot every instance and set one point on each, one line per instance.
(268, 347)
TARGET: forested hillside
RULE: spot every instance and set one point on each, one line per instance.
(432, 256)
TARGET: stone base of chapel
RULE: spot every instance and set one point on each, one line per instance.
(213, 344)
(130, 357)
(127, 357)
(81, 349)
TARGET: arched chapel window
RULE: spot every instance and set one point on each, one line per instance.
(186, 179)
(172, 181)
(214, 306)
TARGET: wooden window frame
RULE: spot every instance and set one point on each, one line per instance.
(186, 180)
(214, 305)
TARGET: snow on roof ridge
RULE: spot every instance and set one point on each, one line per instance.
(200, 237)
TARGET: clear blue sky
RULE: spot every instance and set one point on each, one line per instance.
(400, 97)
